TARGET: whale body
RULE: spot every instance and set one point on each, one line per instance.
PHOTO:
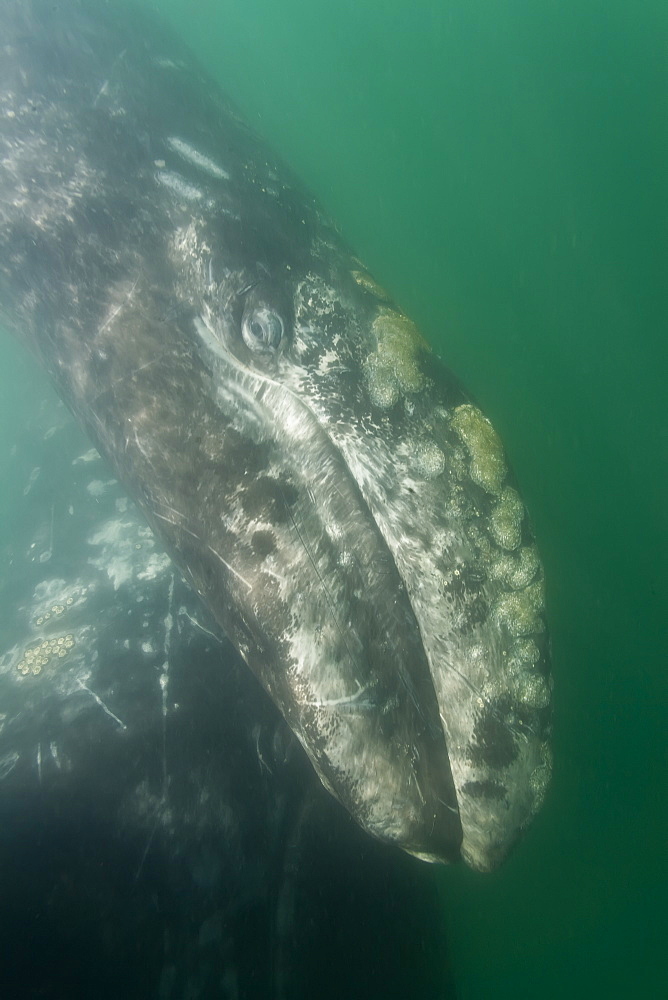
(344, 510)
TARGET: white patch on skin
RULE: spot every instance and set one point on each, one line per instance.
(192, 155)
(31, 480)
(57, 591)
(117, 542)
(102, 92)
(156, 565)
(97, 488)
(317, 299)
(328, 359)
(91, 455)
(188, 249)
(178, 185)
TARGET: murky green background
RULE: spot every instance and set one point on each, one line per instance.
(502, 168)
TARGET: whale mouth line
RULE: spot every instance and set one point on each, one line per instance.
(398, 675)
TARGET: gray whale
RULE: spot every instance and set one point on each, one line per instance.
(342, 508)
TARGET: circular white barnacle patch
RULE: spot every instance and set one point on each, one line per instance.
(524, 654)
(516, 571)
(382, 384)
(428, 459)
(364, 280)
(520, 611)
(393, 369)
(39, 656)
(505, 522)
(533, 690)
(487, 464)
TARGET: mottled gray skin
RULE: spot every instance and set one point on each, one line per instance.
(321, 479)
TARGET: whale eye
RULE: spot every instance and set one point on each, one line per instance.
(262, 329)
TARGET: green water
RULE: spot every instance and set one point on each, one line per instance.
(501, 167)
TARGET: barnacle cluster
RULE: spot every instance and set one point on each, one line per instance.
(37, 657)
(55, 611)
(487, 461)
(393, 369)
(364, 280)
